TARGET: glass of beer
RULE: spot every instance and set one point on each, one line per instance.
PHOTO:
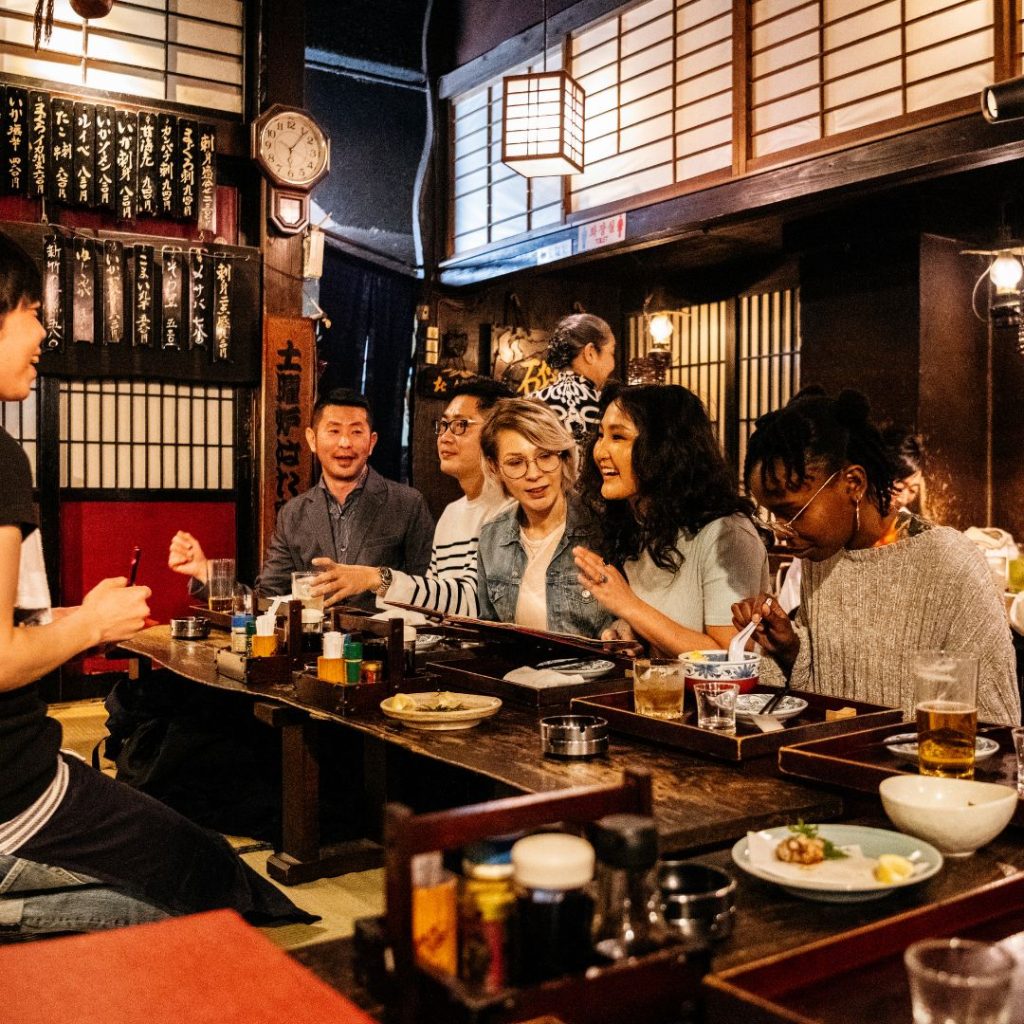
(658, 687)
(220, 584)
(946, 701)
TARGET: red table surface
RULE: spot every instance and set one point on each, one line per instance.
(210, 967)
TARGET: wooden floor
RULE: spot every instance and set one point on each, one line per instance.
(338, 901)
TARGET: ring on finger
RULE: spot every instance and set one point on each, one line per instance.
(604, 577)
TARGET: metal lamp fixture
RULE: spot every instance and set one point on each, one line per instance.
(542, 121)
(1003, 101)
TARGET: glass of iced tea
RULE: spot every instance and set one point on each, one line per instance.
(220, 584)
(946, 701)
(658, 687)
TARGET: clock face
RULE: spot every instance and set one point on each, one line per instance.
(293, 148)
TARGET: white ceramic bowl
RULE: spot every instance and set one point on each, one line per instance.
(956, 815)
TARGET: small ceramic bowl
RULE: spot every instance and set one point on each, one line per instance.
(956, 815)
(702, 665)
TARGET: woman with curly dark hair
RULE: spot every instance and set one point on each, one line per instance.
(878, 582)
(672, 520)
(582, 349)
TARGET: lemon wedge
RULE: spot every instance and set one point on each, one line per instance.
(696, 656)
(892, 869)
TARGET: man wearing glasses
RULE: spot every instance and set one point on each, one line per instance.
(450, 584)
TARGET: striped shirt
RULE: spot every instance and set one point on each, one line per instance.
(450, 583)
(18, 830)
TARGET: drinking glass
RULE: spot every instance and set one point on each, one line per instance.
(302, 588)
(946, 702)
(1018, 745)
(959, 981)
(1015, 575)
(658, 687)
(716, 705)
(220, 584)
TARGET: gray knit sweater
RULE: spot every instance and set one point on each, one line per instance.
(864, 613)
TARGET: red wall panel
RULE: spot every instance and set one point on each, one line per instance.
(97, 540)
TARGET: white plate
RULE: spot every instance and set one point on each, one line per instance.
(427, 641)
(475, 709)
(873, 842)
(904, 746)
(589, 668)
(750, 704)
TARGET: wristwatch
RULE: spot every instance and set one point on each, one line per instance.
(385, 580)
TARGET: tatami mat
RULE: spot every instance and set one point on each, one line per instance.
(338, 901)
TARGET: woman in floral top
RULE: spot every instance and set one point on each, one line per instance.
(582, 349)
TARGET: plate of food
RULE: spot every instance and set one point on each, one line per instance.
(904, 746)
(836, 863)
(750, 704)
(589, 668)
(440, 710)
(427, 641)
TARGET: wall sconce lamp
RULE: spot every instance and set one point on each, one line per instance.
(42, 19)
(1003, 101)
(1005, 272)
(542, 120)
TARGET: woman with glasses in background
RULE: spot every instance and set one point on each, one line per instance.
(672, 519)
(879, 584)
(525, 565)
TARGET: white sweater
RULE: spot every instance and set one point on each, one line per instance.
(450, 582)
(864, 613)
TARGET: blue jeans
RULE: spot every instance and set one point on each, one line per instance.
(37, 899)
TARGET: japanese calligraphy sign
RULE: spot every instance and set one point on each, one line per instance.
(207, 185)
(62, 114)
(149, 186)
(172, 305)
(54, 275)
(188, 153)
(126, 161)
(83, 291)
(199, 288)
(105, 171)
(14, 149)
(167, 163)
(221, 308)
(83, 159)
(38, 142)
(143, 311)
(286, 406)
(113, 293)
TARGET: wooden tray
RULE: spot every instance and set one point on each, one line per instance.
(348, 700)
(222, 620)
(748, 742)
(859, 975)
(860, 760)
(483, 673)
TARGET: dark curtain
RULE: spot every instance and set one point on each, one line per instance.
(369, 345)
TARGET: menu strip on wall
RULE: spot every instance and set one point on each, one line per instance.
(83, 292)
(113, 292)
(106, 165)
(171, 305)
(149, 198)
(39, 142)
(127, 160)
(54, 313)
(207, 207)
(188, 151)
(85, 154)
(199, 279)
(221, 308)
(14, 176)
(62, 114)
(167, 166)
(143, 312)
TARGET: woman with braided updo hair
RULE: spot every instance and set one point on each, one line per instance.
(878, 583)
(582, 349)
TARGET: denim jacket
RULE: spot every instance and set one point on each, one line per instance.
(502, 560)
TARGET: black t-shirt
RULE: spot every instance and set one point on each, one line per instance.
(29, 741)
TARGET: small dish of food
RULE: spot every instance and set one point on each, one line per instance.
(904, 746)
(836, 863)
(589, 668)
(427, 641)
(440, 710)
(750, 704)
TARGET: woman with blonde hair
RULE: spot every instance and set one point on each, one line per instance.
(525, 567)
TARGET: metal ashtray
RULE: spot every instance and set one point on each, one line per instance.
(574, 736)
(699, 900)
(192, 628)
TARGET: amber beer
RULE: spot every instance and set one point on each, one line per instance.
(658, 687)
(219, 604)
(945, 738)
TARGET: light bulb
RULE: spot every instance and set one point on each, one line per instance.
(660, 328)
(1006, 272)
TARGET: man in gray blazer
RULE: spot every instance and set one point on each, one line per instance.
(353, 515)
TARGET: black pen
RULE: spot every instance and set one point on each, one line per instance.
(134, 570)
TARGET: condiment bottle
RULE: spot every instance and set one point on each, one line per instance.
(409, 649)
(330, 666)
(629, 920)
(552, 872)
(434, 914)
(486, 901)
(239, 636)
(264, 643)
(353, 654)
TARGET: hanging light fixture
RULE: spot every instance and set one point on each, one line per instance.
(542, 120)
(42, 19)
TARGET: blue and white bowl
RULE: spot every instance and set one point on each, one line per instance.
(716, 665)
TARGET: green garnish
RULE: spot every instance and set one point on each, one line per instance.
(830, 850)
